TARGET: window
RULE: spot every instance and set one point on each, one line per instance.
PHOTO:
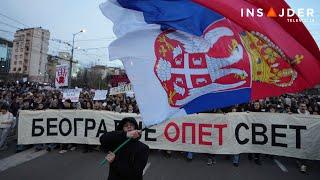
(20, 62)
(14, 69)
(15, 62)
(19, 69)
(2, 59)
(21, 56)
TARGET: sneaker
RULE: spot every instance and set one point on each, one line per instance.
(63, 151)
(303, 168)
(213, 160)
(235, 164)
(73, 148)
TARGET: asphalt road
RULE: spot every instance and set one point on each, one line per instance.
(79, 166)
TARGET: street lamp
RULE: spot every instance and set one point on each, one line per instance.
(71, 60)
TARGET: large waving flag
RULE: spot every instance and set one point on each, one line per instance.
(183, 58)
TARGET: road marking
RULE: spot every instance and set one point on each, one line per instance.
(146, 168)
(280, 165)
(20, 158)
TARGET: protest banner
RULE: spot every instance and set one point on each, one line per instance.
(62, 72)
(121, 89)
(268, 133)
(100, 95)
(72, 94)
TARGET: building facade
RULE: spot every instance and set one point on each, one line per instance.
(100, 70)
(29, 53)
(51, 68)
(5, 55)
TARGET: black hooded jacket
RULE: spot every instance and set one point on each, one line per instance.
(130, 160)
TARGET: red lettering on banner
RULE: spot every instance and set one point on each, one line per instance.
(193, 132)
(177, 132)
(204, 133)
(220, 127)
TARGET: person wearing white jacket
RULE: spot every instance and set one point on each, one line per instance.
(6, 121)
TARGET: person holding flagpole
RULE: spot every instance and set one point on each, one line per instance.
(130, 160)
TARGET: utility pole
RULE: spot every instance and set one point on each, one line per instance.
(71, 60)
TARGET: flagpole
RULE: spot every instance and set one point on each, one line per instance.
(120, 146)
(126, 141)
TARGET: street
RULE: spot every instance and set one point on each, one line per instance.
(79, 166)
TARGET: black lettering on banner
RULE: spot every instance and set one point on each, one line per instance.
(246, 140)
(274, 134)
(69, 127)
(87, 127)
(49, 126)
(76, 120)
(146, 135)
(140, 125)
(34, 127)
(100, 130)
(116, 123)
(255, 133)
(298, 134)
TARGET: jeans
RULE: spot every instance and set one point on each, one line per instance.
(236, 159)
(4, 132)
(51, 146)
(189, 155)
(39, 146)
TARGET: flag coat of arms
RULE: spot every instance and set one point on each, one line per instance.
(183, 58)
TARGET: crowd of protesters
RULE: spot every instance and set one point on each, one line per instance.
(28, 96)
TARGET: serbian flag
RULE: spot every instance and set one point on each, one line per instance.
(185, 57)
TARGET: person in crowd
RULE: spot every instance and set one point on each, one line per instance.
(6, 122)
(236, 157)
(54, 104)
(301, 162)
(97, 105)
(130, 108)
(129, 162)
(39, 147)
(256, 156)
(25, 106)
(64, 147)
(303, 109)
(87, 105)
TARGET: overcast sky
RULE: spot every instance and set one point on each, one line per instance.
(65, 17)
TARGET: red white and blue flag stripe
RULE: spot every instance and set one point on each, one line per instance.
(184, 56)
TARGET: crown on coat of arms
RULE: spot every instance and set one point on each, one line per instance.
(269, 64)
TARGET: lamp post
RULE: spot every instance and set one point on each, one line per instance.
(71, 60)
